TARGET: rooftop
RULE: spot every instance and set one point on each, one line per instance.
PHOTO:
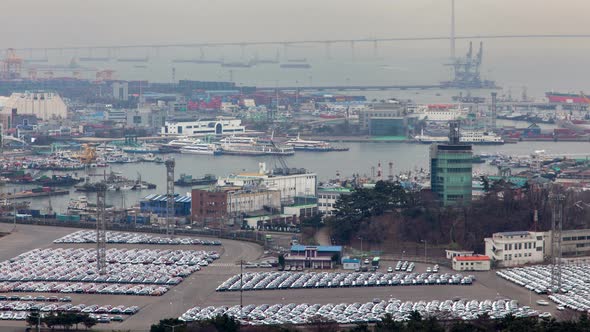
(163, 198)
(472, 258)
(518, 233)
(319, 248)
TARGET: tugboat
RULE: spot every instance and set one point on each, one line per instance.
(188, 181)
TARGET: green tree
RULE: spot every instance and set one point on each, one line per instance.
(388, 324)
(282, 260)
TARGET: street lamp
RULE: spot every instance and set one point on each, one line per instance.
(172, 326)
(361, 238)
(403, 253)
(425, 243)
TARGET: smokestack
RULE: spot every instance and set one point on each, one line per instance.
(494, 105)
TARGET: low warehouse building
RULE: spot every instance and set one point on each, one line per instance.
(351, 263)
(318, 257)
(471, 263)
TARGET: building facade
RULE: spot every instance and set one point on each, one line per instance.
(229, 204)
(217, 126)
(320, 257)
(471, 263)
(157, 204)
(147, 118)
(451, 173)
(327, 198)
(121, 90)
(389, 110)
(44, 105)
(292, 184)
(507, 249)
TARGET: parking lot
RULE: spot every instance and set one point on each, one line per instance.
(198, 289)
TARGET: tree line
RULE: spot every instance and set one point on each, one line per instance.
(389, 212)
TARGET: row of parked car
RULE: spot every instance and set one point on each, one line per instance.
(573, 293)
(67, 307)
(345, 313)
(84, 288)
(39, 298)
(133, 238)
(290, 280)
(160, 267)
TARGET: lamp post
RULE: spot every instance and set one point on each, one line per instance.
(361, 238)
(425, 243)
(172, 326)
(403, 253)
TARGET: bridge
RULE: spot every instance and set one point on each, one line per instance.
(286, 43)
(350, 87)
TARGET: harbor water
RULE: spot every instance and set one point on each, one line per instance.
(358, 160)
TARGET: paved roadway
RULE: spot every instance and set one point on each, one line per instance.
(199, 288)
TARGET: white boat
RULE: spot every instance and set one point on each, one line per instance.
(126, 187)
(478, 137)
(200, 148)
(299, 144)
(250, 146)
(181, 142)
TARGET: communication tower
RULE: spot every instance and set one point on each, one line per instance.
(454, 133)
(101, 236)
(170, 197)
(557, 202)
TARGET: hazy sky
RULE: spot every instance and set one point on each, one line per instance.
(46, 23)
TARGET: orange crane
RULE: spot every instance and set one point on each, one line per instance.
(87, 155)
(11, 65)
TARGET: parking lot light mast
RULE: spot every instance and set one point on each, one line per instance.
(172, 326)
(241, 288)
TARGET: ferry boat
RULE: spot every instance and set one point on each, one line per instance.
(476, 137)
(188, 180)
(299, 144)
(243, 145)
(179, 143)
(200, 148)
(146, 148)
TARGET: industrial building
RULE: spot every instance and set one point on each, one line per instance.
(575, 245)
(44, 105)
(292, 183)
(147, 118)
(121, 91)
(155, 203)
(227, 204)
(451, 170)
(387, 119)
(217, 126)
(507, 249)
(320, 257)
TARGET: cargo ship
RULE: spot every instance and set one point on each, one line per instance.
(567, 98)
(57, 181)
(188, 180)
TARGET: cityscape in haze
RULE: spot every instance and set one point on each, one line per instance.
(293, 166)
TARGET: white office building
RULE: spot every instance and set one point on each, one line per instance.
(516, 248)
(217, 126)
(327, 197)
(44, 105)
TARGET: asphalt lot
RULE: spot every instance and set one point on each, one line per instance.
(199, 288)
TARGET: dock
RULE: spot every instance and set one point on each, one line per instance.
(29, 194)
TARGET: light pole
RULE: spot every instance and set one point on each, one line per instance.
(361, 238)
(425, 243)
(172, 326)
(403, 253)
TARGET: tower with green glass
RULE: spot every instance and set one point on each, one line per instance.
(451, 170)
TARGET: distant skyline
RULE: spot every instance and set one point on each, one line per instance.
(42, 23)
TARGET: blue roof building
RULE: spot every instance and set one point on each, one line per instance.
(155, 203)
